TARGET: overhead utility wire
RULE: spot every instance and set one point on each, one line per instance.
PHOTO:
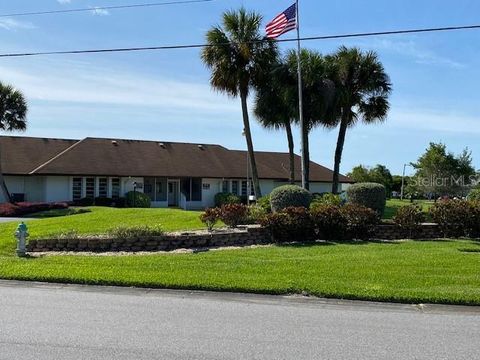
(192, 46)
(110, 7)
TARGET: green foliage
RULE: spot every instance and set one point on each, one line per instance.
(474, 194)
(233, 214)
(378, 174)
(329, 221)
(59, 212)
(440, 173)
(325, 199)
(136, 232)
(256, 214)
(451, 216)
(137, 200)
(289, 196)
(289, 224)
(264, 202)
(370, 195)
(226, 198)
(409, 218)
(210, 217)
(360, 221)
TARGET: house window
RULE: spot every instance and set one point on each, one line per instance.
(196, 189)
(77, 188)
(115, 188)
(235, 187)
(225, 186)
(149, 187)
(103, 187)
(90, 188)
(161, 189)
(244, 187)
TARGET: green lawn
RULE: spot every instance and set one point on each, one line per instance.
(394, 204)
(414, 271)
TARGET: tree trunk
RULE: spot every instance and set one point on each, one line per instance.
(291, 153)
(3, 185)
(338, 152)
(306, 157)
(248, 137)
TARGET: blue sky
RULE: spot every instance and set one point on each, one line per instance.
(165, 95)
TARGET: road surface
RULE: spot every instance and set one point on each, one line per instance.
(40, 322)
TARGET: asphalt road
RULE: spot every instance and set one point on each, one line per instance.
(56, 322)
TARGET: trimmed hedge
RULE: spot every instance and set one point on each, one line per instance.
(226, 198)
(289, 196)
(137, 200)
(370, 195)
(25, 208)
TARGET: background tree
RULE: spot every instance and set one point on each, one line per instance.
(378, 174)
(362, 88)
(440, 173)
(13, 113)
(239, 58)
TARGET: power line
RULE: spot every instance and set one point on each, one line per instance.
(111, 7)
(193, 46)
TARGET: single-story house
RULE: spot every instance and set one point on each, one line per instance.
(170, 173)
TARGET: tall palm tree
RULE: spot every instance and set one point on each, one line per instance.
(239, 58)
(13, 112)
(363, 88)
(318, 98)
(273, 110)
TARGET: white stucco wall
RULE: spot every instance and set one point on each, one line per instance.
(33, 187)
(57, 188)
(126, 184)
(208, 195)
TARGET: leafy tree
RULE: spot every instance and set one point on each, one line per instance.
(13, 114)
(239, 57)
(378, 174)
(360, 173)
(363, 88)
(439, 172)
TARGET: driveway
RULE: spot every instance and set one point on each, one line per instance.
(72, 322)
(12, 219)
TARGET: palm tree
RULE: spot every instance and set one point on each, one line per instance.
(362, 87)
(239, 58)
(318, 98)
(13, 112)
(273, 110)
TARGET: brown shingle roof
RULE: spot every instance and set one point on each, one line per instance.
(117, 157)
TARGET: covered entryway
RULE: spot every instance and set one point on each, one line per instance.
(173, 192)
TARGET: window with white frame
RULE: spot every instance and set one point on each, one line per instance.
(225, 186)
(77, 184)
(90, 187)
(115, 188)
(103, 187)
(235, 187)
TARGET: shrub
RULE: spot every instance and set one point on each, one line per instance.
(210, 217)
(120, 202)
(474, 195)
(137, 200)
(290, 224)
(86, 201)
(264, 202)
(255, 215)
(325, 199)
(409, 218)
(226, 198)
(25, 208)
(473, 222)
(289, 196)
(370, 195)
(360, 221)
(136, 232)
(452, 216)
(233, 214)
(328, 220)
(104, 201)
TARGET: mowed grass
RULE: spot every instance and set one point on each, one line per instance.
(394, 204)
(412, 272)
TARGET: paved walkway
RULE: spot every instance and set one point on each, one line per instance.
(73, 322)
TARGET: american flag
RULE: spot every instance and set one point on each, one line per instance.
(283, 23)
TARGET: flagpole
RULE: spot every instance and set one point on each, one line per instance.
(300, 102)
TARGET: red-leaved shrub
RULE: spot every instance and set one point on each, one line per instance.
(25, 208)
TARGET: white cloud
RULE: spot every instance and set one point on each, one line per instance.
(13, 25)
(64, 1)
(412, 49)
(100, 12)
(80, 83)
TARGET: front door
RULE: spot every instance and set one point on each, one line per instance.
(173, 193)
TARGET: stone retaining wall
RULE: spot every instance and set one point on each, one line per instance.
(243, 236)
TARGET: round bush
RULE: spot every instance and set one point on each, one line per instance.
(226, 199)
(137, 200)
(474, 194)
(370, 195)
(289, 196)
